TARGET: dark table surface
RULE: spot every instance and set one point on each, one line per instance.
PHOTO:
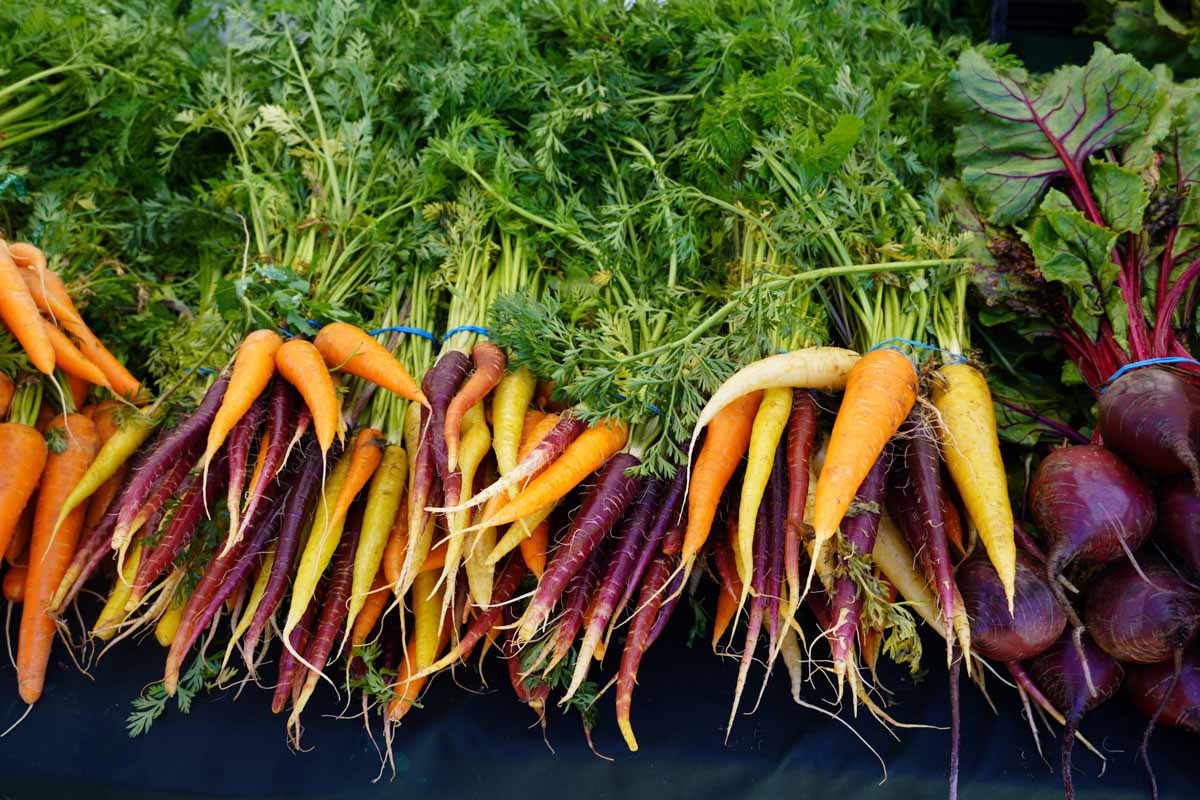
(483, 743)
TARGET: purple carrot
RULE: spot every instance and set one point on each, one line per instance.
(611, 495)
(328, 627)
(1027, 543)
(664, 521)
(667, 608)
(421, 496)
(440, 385)
(281, 421)
(169, 449)
(616, 578)
(575, 603)
(566, 431)
(845, 599)
(503, 591)
(304, 489)
(166, 488)
(776, 521)
(638, 640)
(196, 498)
(915, 492)
(244, 432)
(263, 528)
(758, 607)
(801, 434)
(289, 665)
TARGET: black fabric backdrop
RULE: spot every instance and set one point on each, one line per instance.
(464, 744)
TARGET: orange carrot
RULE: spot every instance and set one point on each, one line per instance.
(78, 389)
(253, 367)
(409, 681)
(490, 362)
(727, 441)
(7, 387)
(14, 584)
(301, 365)
(50, 551)
(51, 297)
(581, 458)
(68, 358)
(533, 549)
(20, 537)
(436, 558)
(348, 348)
(395, 549)
(27, 255)
(20, 314)
(372, 610)
(880, 392)
(23, 455)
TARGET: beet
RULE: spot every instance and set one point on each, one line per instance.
(1063, 678)
(1151, 416)
(1037, 619)
(1142, 620)
(1091, 507)
(1179, 521)
(1149, 683)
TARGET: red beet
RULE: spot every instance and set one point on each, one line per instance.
(1063, 678)
(1151, 416)
(1142, 620)
(1149, 684)
(1179, 521)
(1091, 507)
(1037, 619)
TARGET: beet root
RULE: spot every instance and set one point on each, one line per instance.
(1037, 620)
(1142, 620)
(1152, 418)
(1179, 521)
(1063, 676)
(1148, 684)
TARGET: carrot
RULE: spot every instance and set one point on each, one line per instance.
(581, 458)
(395, 550)
(604, 504)
(51, 297)
(168, 623)
(237, 453)
(409, 684)
(506, 587)
(427, 610)
(253, 367)
(518, 533)
(769, 423)
(489, 361)
(20, 314)
(509, 403)
(727, 441)
(373, 604)
(822, 368)
(802, 434)
(475, 446)
(50, 553)
(350, 349)
(27, 255)
(20, 536)
(114, 610)
(23, 454)
(14, 584)
(7, 387)
(134, 429)
(546, 441)
(290, 669)
(304, 488)
(731, 586)
(301, 365)
(382, 510)
(533, 549)
(272, 455)
(74, 363)
(880, 392)
(971, 450)
(757, 573)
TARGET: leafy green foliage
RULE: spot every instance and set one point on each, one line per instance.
(1155, 31)
(204, 673)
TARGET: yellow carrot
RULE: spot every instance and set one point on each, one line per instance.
(383, 503)
(509, 401)
(114, 610)
(769, 423)
(971, 450)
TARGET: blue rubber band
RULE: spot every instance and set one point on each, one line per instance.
(957, 358)
(1149, 362)
(465, 329)
(424, 334)
(203, 371)
(650, 406)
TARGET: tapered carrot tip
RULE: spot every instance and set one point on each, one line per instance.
(30, 691)
(627, 733)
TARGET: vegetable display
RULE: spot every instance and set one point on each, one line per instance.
(477, 334)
